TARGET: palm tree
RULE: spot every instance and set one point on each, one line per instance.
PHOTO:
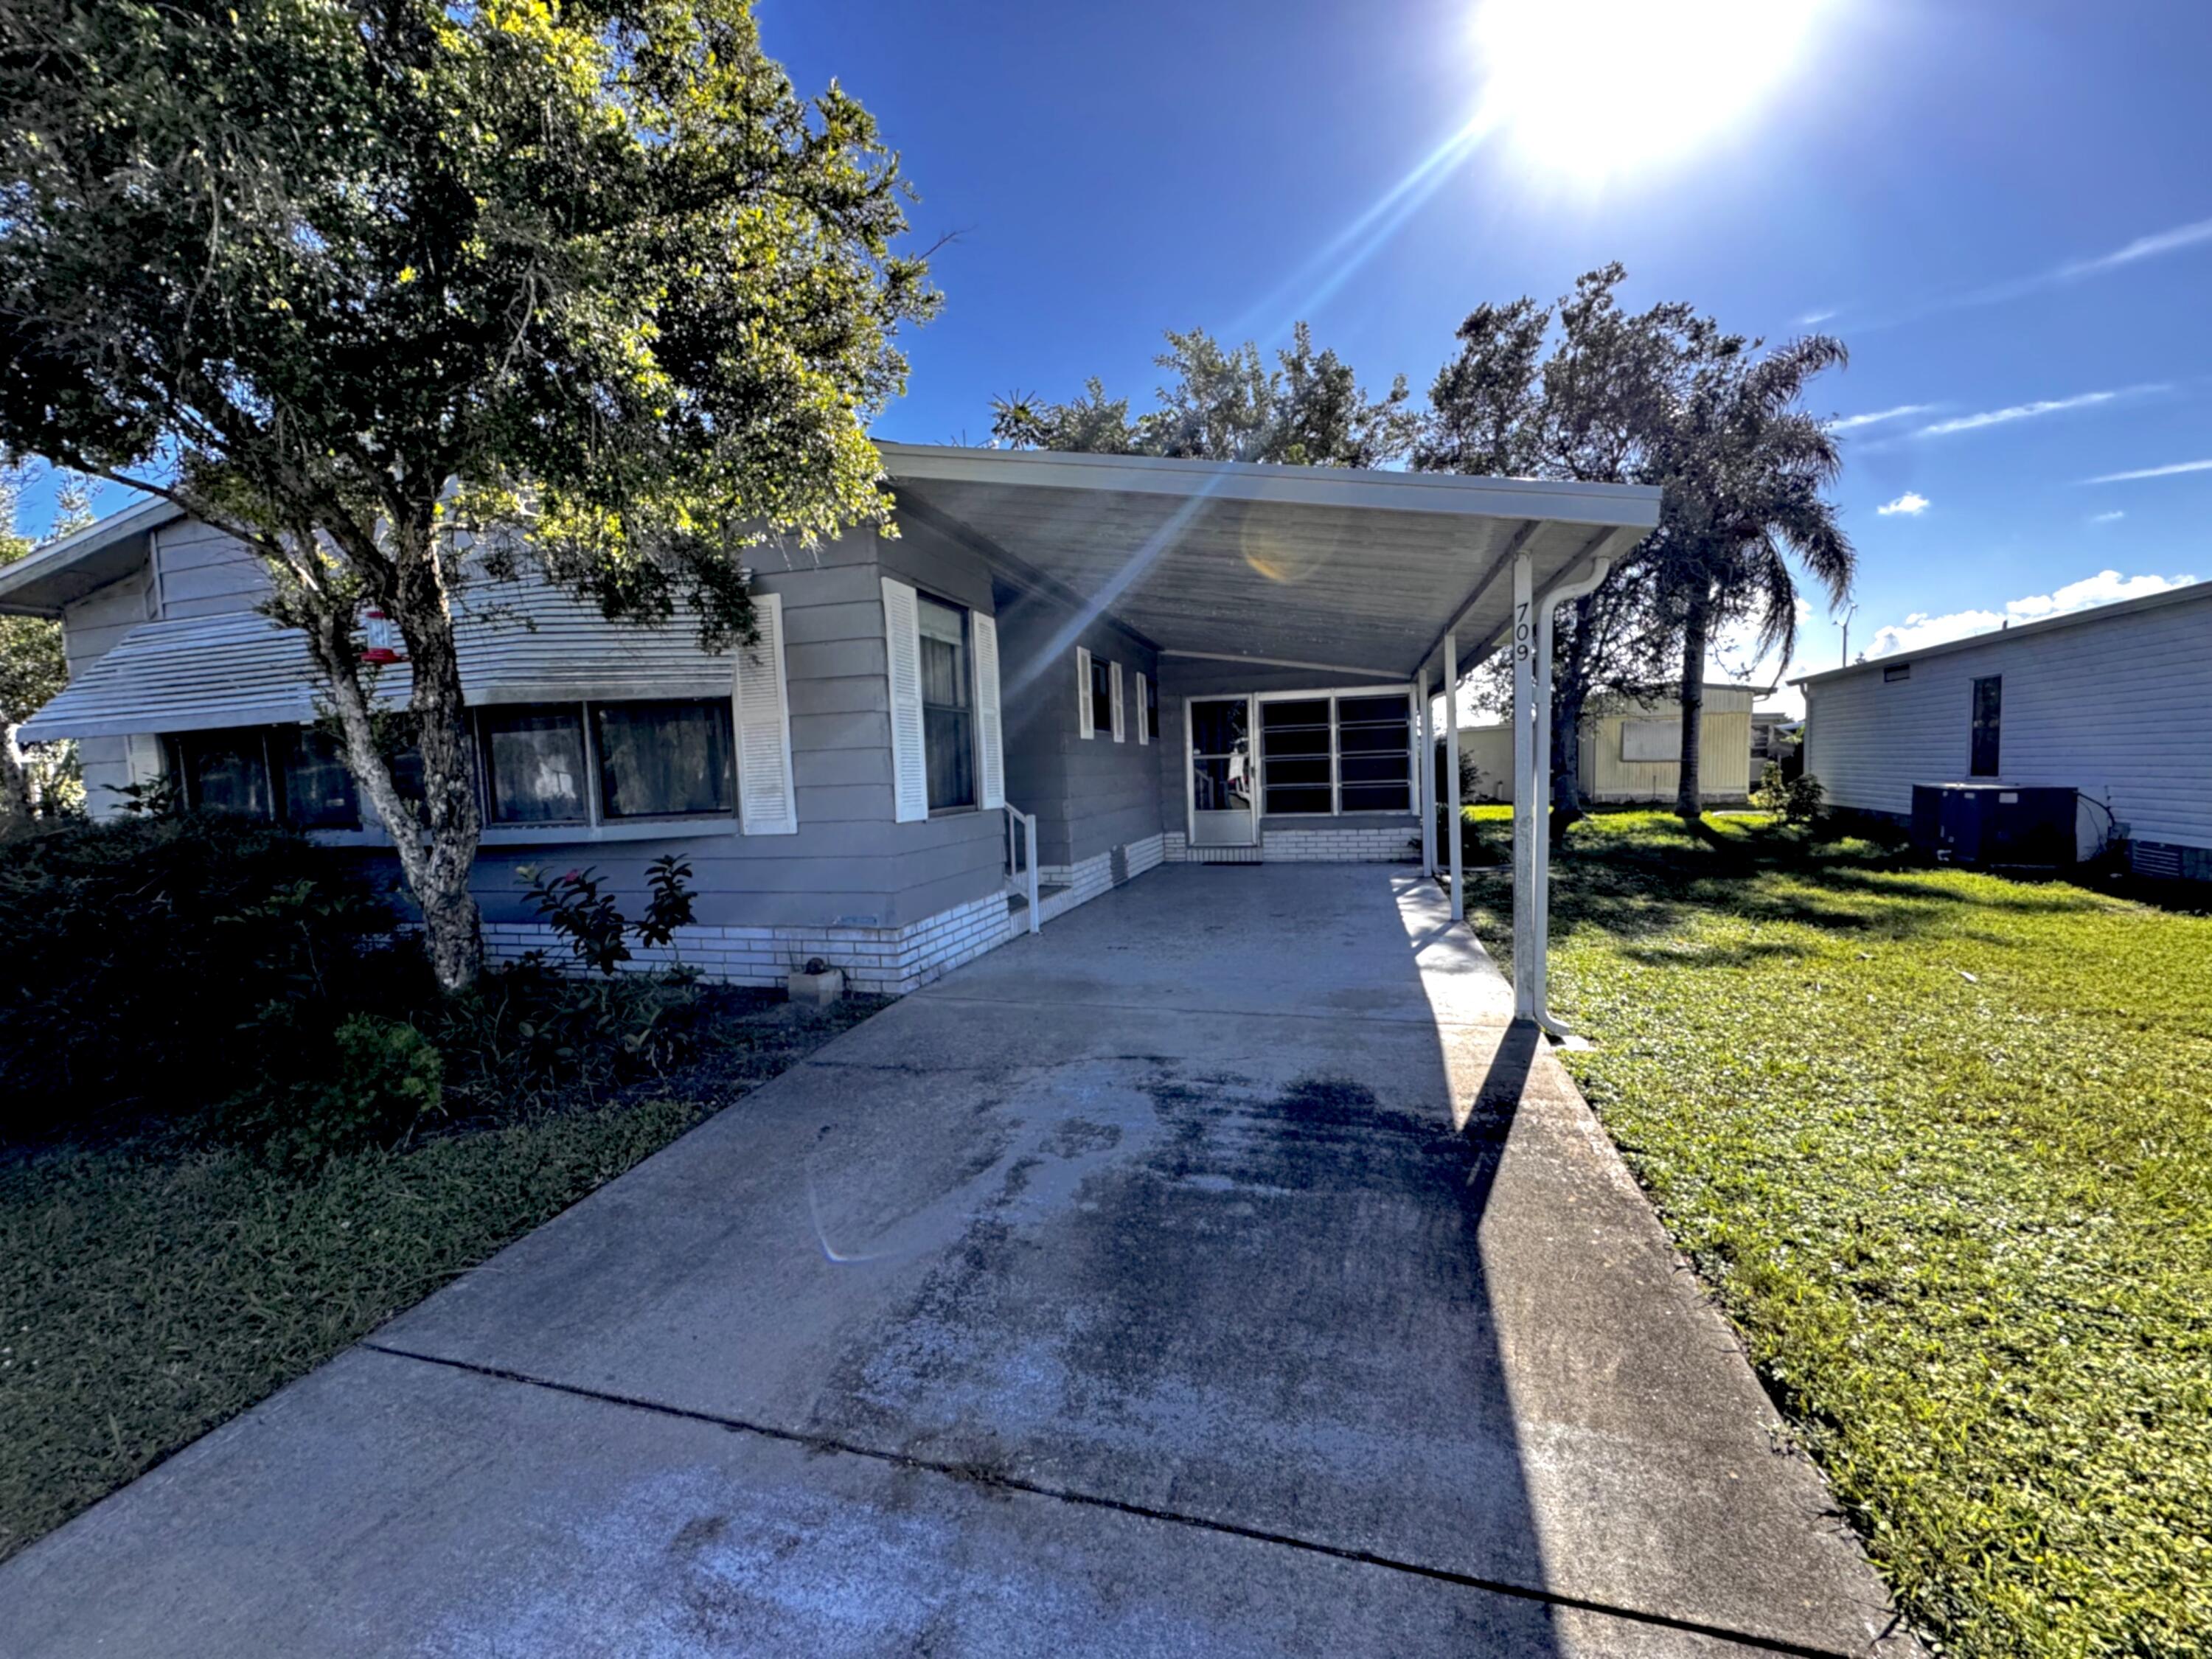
(1744, 467)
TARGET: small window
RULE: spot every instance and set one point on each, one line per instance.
(224, 772)
(319, 791)
(1989, 707)
(1150, 714)
(948, 711)
(1898, 671)
(1296, 759)
(534, 765)
(1102, 696)
(664, 759)
(1375, 751)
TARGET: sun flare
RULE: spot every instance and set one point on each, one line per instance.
(1592, 89)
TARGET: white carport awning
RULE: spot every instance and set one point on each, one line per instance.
(1337, 568)
(518, 642)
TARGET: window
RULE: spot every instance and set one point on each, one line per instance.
(1102, 696)
(291, 773)
(1374, 744)
(319, 792)
(1297, 758)
(1336, 752)
(1897, 671)
(948, 714)
(1149, 710)
(225, 771)
(534, 765)
(664, 759)
(1989, 706)
(1651, 740)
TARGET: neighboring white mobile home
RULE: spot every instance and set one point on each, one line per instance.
(2115, 702)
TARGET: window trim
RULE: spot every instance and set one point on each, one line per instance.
(1334, 693)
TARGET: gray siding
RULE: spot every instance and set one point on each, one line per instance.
(849, 864)
(2120, 708)
(199, 571)
(90, 628)
(1089, 794)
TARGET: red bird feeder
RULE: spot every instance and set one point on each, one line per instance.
(382, 638)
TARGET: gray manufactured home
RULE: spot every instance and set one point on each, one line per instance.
(2115, 702)
(1129, 660)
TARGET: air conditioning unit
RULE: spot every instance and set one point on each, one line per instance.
(1983, 824)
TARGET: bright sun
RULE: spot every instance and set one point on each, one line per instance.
(1594, 87)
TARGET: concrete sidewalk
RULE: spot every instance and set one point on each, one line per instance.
(1216, 1272)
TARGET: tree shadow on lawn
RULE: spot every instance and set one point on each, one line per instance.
(1668, 876)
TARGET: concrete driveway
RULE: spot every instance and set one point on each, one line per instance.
(1216, 1272)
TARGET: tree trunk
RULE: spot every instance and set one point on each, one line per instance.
(1689, 801)
(1570, 691)
(16, 807)
(437, 852)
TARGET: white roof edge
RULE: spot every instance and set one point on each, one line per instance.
(1629, 505)
(2096, 613)
(65, 551)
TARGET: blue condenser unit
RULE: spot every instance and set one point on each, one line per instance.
(1983, 824)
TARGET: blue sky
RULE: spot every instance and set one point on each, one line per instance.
(2002, 205)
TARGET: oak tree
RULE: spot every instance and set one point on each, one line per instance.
(402, 293)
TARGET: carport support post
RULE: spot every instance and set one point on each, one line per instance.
(1425, 788)
(1452, 767)
(1532, 791)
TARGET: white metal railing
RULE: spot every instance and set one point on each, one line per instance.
(1021, 859)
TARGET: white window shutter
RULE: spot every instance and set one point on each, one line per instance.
(1144, 719)
(902, 651)
(767, 803)
(1120, 730)
(990, 749)
(1082, 727)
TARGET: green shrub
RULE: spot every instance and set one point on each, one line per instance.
(527, 1030)
(144, 956)
(368, 1085)
(1798, 800)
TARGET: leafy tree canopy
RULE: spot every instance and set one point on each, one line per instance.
(1222, 404)
(355, 279)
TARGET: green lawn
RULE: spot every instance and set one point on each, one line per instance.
(152, 1286)
(1941, 1145)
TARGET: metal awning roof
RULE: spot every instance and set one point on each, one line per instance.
(1328, 567)
(518, 643)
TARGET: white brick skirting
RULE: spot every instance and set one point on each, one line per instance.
(1085, 881)
(1319, 844)
(881, 961)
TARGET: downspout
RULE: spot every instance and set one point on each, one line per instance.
(1531, 644)
(1539, 861)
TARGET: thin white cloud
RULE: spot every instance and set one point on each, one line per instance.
(2152, 472)
(1911, 503)
(1920, 630)
(2106, 518)
(2143, 247)
(2029, 411)
(1850, 423)
(2157, 245)
(1812, 319)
